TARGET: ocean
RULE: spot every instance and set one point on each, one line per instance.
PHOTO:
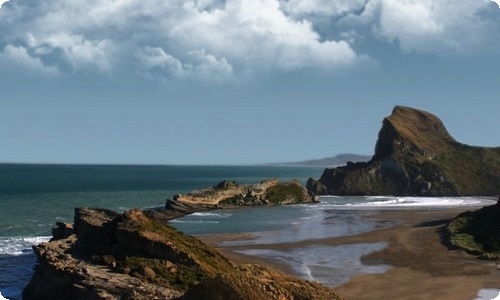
(34, 197)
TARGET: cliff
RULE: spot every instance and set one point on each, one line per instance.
(415, 155)
(136, 255)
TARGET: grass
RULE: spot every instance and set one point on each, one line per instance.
(194, 261)
(285, 193)
(477, 232)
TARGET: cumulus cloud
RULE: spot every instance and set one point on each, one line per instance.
(155, 63)
(421, 26)
(322, 7)
(170, 39)
(431, 26)
(220, 40)
(16, 59)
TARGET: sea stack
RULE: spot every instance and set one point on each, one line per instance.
(416, 156)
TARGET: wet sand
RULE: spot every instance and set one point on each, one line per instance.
(422, 265)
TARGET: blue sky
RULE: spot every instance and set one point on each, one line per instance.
(238, 81)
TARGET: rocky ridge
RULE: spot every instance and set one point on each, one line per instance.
(137, 255)
(229, 193)
(415, 155)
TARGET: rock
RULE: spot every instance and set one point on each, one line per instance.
(228, 193)
(316, 187)
(62, 231)
(141, 257)
(226, 184)
(477, 232)
(147, 272)
(415, 155)
(93, 227)
(252, 282)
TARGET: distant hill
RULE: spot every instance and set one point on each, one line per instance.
(415, 155)
(337, 160)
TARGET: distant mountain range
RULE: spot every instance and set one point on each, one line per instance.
(337, 160)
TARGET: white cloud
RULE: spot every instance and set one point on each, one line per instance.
(179, 39)
(17, 59)
(442, 27)
(208, 66)
(433, 26)
(322, 7)
(498, 3)
(183, 39)
(2, 2)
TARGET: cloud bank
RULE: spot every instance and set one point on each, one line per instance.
(224, 40)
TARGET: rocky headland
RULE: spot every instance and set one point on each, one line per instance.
(230, 194)
(416, 156)
(137, 255)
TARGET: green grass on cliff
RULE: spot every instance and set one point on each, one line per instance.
(424, 141)
(192, 260)
(477, 232)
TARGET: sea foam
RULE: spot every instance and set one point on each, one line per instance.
(382, 202)
(18, 245)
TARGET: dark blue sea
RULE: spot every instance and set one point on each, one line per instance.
(34, 197)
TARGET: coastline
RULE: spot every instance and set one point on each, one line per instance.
(422, 266)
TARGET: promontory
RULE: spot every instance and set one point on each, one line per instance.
(416, 156)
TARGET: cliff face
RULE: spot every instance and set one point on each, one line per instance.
(415, 155)
(136, 255)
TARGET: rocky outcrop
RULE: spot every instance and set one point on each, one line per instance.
(136, 255)
(415, 155)
(256, 282)
(229, 193)
(477, 232)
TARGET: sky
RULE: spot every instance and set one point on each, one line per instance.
(214, 82)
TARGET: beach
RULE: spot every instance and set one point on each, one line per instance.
(414, 260)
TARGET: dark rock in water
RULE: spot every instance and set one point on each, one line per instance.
(136, 255)
(416, 156)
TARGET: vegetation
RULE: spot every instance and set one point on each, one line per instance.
(285, 193)
(415, 155)
(477, 232)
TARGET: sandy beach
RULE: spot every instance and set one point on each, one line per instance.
(419, 264)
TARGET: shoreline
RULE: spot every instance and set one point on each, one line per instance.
(422, 266)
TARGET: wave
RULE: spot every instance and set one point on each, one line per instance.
(193, 221)
(19, 245)
(401, 202)
(2, 298)
(211, 214)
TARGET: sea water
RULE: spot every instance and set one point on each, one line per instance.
(333, 217)
(34, 197)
